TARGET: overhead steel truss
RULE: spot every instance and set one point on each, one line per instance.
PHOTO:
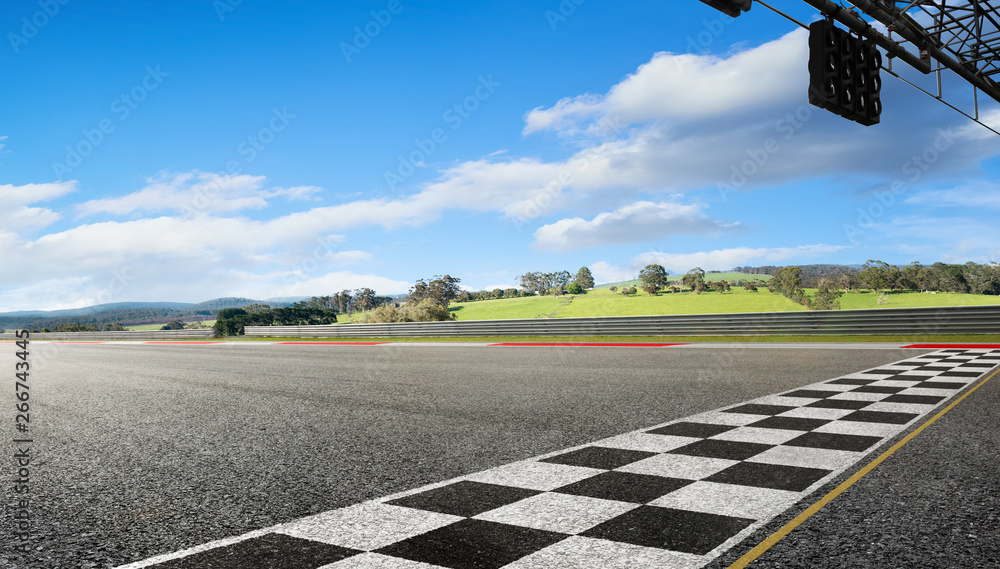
(931, 35)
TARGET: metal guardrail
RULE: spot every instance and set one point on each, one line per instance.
(124, 335)
(946, 320)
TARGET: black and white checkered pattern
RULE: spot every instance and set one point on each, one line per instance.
(673, 495)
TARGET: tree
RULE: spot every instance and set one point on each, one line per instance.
(342, 302)
(442, 289)
(533, 282)
(251, 308)
(909, 276)
(849, 281)
(653, 277)
(613, 289)
(364, 299)
(557, 280)
(584, 277)
(827, 297)
(982, 279)
(787, 280)
(426, 310)
(695, 278)
(114, 327)
(950, 278)
(228, 313)
(876, 275)
(230, 321)
(574, 288)
(173, 325)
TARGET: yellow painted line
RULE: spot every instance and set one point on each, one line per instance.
(775, 537)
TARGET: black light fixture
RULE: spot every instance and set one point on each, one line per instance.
(730, 7)
(844, 73)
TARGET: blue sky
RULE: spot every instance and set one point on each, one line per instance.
(194, 149)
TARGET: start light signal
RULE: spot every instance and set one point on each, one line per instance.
(844, 73)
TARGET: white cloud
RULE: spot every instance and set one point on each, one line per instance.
(48, 294)
(982, 196)
(605, 272)
(304, 283)
(990, 117)
(348, 257)
(15, 213)
(639, 221)
(195, 193)
(687, 87)
(722, 259)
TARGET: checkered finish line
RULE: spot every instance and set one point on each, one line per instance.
(676, 495)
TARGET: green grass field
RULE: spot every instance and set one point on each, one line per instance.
(854, 300)
(601, 302)
(147, 327)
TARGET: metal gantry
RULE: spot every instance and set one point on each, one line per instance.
(963, 35)
(931, 36)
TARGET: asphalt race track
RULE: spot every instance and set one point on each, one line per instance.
(140, 450)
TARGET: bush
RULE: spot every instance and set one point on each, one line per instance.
(574, 288)
(427, 310)
(173, 325)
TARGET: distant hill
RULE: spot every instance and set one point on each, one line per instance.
(96, 308)
(286, 300)
(210, 307)
(127, 313)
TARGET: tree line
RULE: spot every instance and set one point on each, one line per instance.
(879, 276)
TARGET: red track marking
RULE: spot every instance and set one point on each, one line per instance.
(601, 344)
(182, 342)
(968, 346)
(330, 343)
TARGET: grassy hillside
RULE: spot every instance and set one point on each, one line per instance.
(601, 302)
(855, 300)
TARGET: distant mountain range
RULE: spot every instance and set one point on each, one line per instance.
(132, 313)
